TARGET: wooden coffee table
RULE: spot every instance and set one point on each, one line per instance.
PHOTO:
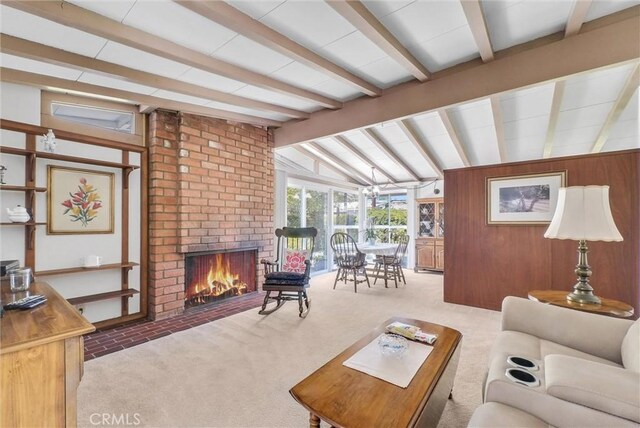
(344, 397)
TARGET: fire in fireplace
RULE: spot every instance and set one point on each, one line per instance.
(218, 276)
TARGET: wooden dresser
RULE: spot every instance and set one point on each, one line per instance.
(41, 361)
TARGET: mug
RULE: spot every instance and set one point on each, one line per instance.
(92, 261)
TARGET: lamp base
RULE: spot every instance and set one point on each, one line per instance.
(581, 296)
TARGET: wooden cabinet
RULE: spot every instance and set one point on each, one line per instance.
(430, 240)
(41, 361)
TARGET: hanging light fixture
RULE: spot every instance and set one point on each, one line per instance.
(372, 191)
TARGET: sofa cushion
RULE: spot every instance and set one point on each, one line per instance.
(496, 415)
(613, 390)
(524, 345)
(631, 348)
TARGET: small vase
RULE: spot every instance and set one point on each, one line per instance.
(372, 241)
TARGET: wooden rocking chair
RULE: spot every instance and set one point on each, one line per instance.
(289, 273)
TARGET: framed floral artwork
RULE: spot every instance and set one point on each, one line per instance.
(79, 201)
(523, 199)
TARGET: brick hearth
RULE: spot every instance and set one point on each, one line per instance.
(211, 187)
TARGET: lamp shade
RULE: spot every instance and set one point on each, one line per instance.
(583, 213)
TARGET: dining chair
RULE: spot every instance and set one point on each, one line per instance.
(394, 262)
(289, 274)
(349, 259)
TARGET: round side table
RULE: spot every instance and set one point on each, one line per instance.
(609, 307)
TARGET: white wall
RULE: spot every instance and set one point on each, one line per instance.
(22, 103)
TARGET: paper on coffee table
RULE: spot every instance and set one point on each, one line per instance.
(396, 370)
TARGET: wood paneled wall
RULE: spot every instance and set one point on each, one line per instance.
(485, 262)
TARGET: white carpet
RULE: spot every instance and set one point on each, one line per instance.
(237, 371)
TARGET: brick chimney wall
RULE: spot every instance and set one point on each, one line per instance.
(211, 188)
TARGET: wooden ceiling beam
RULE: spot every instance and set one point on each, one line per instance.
(48, 82)
(382, 146)
(498, 123)
(363, 157)
(453, 134)
(36, 51)
(349, 169)
(308, 153)
(577, 16)
(478, 25)
(512, 69)
(631, 85)
(230, 17)
(76, 17)
(415, 139)
(359, 16)
(556, 103)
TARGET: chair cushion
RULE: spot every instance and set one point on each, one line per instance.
(287, 276)
(294, 261)
(631, 348)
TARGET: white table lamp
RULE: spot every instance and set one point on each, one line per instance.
(583, 214)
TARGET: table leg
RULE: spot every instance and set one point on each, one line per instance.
(314, 421)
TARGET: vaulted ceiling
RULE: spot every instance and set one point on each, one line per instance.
(405, 86)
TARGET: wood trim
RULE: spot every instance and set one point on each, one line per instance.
(556, 103)
(321, 161)
(621, 103)
(49, 121)
(444, 116)
(577, 16)
(363, 157)
(420, 145)
(498, 123)
(478, 25)
(230, 17)
(144, 222)
(610, 41)
(48, 82)
(36, 51)
(76, 17)
(340, 163)
(29, 129)
(373, 136)
(546, 161)
(359, 16)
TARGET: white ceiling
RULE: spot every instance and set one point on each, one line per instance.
(435, 32)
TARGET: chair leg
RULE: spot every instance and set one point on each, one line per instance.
(266, 300)
(300, 303)
(376, 272)
(366, 276)
(386, 273)
(402, 274)
(395, 274)
(337, 278)
(355, 280)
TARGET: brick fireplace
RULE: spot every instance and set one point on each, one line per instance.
(211, 189)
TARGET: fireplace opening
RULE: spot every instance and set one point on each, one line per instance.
(213, 277)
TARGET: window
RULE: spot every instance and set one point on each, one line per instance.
(389, 216)
(345, 213)
(309, 208)
(113, 120)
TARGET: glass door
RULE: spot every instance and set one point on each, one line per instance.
(316, 216)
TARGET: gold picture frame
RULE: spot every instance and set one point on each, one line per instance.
(523, 199)
(79, 201)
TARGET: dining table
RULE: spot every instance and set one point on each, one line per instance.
(382, 250)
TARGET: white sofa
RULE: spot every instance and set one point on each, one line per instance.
(588, 369)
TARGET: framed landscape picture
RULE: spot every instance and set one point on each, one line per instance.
(79, 201)
(524, 199)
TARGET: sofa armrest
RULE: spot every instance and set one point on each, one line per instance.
(594, 334)
(610, 389)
